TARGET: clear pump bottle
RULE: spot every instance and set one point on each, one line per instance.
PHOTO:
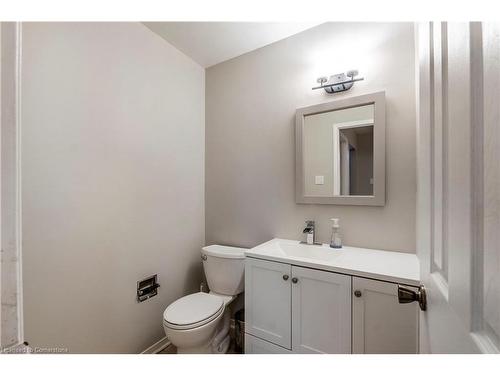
(336, 241)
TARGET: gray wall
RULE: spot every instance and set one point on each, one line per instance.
(113, 176)
(250, 144)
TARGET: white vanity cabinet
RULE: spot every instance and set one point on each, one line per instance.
(299, 306)
(381, 325)
(299, 309)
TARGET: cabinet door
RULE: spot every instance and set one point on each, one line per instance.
(254, 345)
(380, 324)
(321, 311)
(268, 301)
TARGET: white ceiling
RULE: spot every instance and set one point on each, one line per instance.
(209, 43)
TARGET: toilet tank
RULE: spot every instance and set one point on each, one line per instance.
(224, 268)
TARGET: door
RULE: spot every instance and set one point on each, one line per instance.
(380, 324)
(345, 163)
(268, 301)
(254, 345)
(458, 193)
(321, 311)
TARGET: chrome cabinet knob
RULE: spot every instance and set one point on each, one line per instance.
(294, 280)
(357, 293)
(285, 277)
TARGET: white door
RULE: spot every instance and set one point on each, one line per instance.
(380, 324)
(321, 311)
(458, 194)
(268, 301)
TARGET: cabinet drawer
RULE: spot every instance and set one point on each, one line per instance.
(254, 345)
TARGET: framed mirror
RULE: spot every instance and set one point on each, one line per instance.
(340, 152)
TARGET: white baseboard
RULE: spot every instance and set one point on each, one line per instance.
(157, 346)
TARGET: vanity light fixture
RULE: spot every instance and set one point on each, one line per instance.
(338, 82)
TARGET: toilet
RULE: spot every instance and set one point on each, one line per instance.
(199, 322)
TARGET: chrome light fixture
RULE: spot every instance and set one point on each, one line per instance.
(338, 82)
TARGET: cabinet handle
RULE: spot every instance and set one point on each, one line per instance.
(294, 280)
(285, 277)
(357, 293)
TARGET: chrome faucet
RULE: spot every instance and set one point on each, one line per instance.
(310, 229)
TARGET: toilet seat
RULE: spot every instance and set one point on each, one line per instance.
(192, 311)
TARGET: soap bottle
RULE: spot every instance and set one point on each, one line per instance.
(310, 238)
(336, 241)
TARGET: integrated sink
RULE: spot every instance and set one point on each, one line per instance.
(378, 264)
(294, 249)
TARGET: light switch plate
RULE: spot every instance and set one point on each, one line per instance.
(319, 180)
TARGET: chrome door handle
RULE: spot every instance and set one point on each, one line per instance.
(357, 293)
(406, 295)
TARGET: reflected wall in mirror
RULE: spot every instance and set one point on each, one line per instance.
(341, 152)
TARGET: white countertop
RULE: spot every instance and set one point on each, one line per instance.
(375, 264)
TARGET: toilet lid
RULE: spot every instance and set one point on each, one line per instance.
(228, 252)
(192, 309)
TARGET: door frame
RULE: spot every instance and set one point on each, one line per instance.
(10, 150)
(336, 149)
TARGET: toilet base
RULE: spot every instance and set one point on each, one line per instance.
(216, 343)
(207, 349)
(223, 347)
(219, 343)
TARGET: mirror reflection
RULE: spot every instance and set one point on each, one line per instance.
(338, 152)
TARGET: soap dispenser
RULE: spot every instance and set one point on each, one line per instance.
(336, 241)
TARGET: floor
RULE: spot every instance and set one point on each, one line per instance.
(171, 349)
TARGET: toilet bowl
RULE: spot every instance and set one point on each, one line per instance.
(199, 322)
(192, 321)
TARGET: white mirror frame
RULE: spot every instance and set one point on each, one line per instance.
(378, 197)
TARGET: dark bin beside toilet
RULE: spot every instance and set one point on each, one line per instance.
(239, 331)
